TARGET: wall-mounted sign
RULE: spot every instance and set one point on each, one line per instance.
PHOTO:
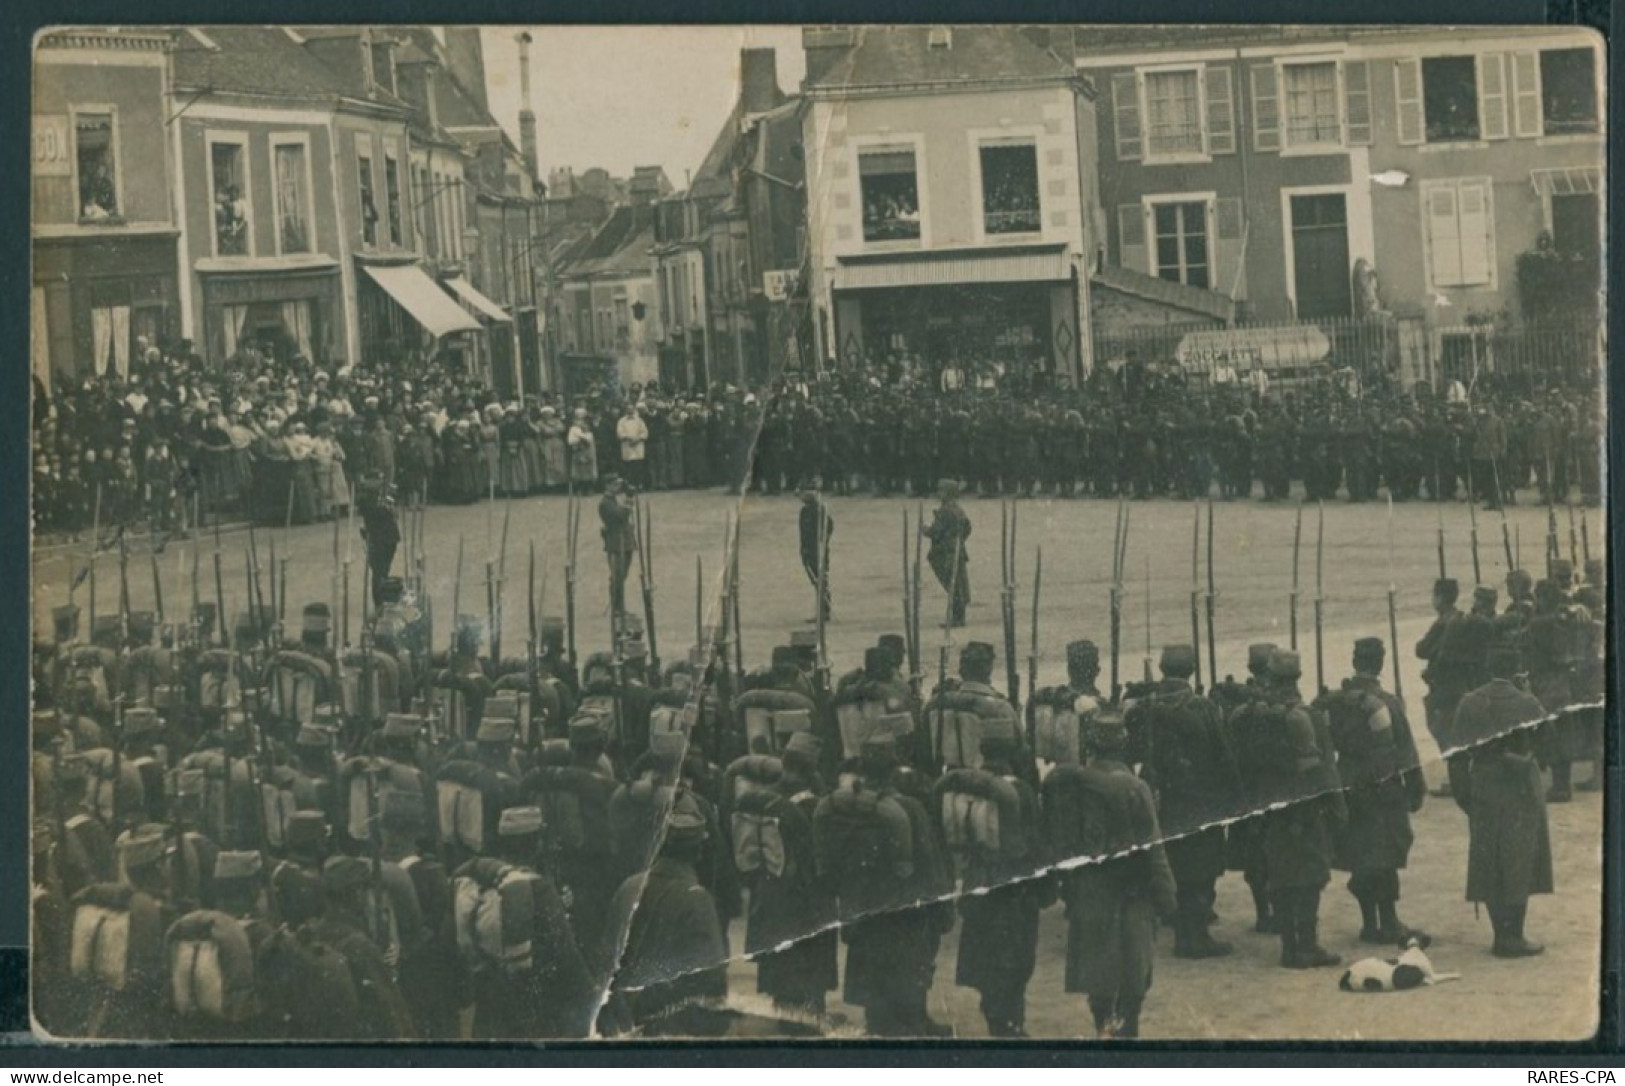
(779, 285)
(53, 147)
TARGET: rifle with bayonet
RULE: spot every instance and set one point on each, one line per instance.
(1320, 601)
(1212, 605)
(1196, 592)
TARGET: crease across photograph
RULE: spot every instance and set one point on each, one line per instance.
(464, 483)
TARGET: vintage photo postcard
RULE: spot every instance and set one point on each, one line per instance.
(514, 518)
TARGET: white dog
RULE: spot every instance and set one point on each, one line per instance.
(1411, 969)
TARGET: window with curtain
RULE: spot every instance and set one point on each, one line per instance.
(1311, 104)
(392, 196)
(292, 198)
(1173, 111)
(231, 212)
(93, 153)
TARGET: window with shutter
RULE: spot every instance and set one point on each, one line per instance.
(1221, 114)
(1408, 99)
(1357, 103)
(1131, 237)
(1525, 95)
(1126, 117)
(1309, 100)
(1173, 114)
(1476, 229)
(1266, 109)
(1450, 99)
(1492, 96)
(1444, 235)
(1460, 217)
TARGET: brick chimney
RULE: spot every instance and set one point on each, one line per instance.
(527, 116)
(759, 80)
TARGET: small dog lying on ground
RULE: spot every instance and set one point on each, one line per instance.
(1411, 969)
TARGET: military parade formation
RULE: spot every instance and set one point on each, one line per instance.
(177, 444)
(296, 821)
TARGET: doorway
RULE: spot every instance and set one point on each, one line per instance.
(1321, 283)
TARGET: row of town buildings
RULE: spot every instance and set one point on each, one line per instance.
(341, 194)
(1044, 196)
(1051, 197)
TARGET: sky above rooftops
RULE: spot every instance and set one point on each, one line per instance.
(620, 97)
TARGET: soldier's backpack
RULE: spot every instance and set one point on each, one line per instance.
(862, 712)
(1056, 738)
(88, 664)
(1362, 732)
(772, 717)
(957, 725)
(865, 846)
(980, 814)
(279, 800)
(218, 689)
(564, 821)
(223, 783)
(116, 786)
(390, 776)
(758, 837)
(669, 720)
(211, 967)
(1079, 819)
(296, 688)
(493, 911)
(307, 986)
(513, 701)
(461, 799)
(113, 926)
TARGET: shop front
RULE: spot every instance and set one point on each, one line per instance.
(977, 309)
(498, 338)
(97, 299)
(282, 308)
(407, 318)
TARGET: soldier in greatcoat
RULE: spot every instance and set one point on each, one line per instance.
(1378, 765)
(1509, 850)
(1103, 809)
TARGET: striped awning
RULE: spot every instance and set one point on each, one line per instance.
(479, 303)
(1567, 180)
(931, 268)
(425, 302)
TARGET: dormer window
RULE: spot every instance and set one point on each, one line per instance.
(383, 66)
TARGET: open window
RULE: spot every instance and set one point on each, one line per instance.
(1450, 99)
(228, 165)
(392, 196)
(1010, 203)
(891, 194)
(369, 207)
(1568, 91)
(97, 164)
(1577, 224)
